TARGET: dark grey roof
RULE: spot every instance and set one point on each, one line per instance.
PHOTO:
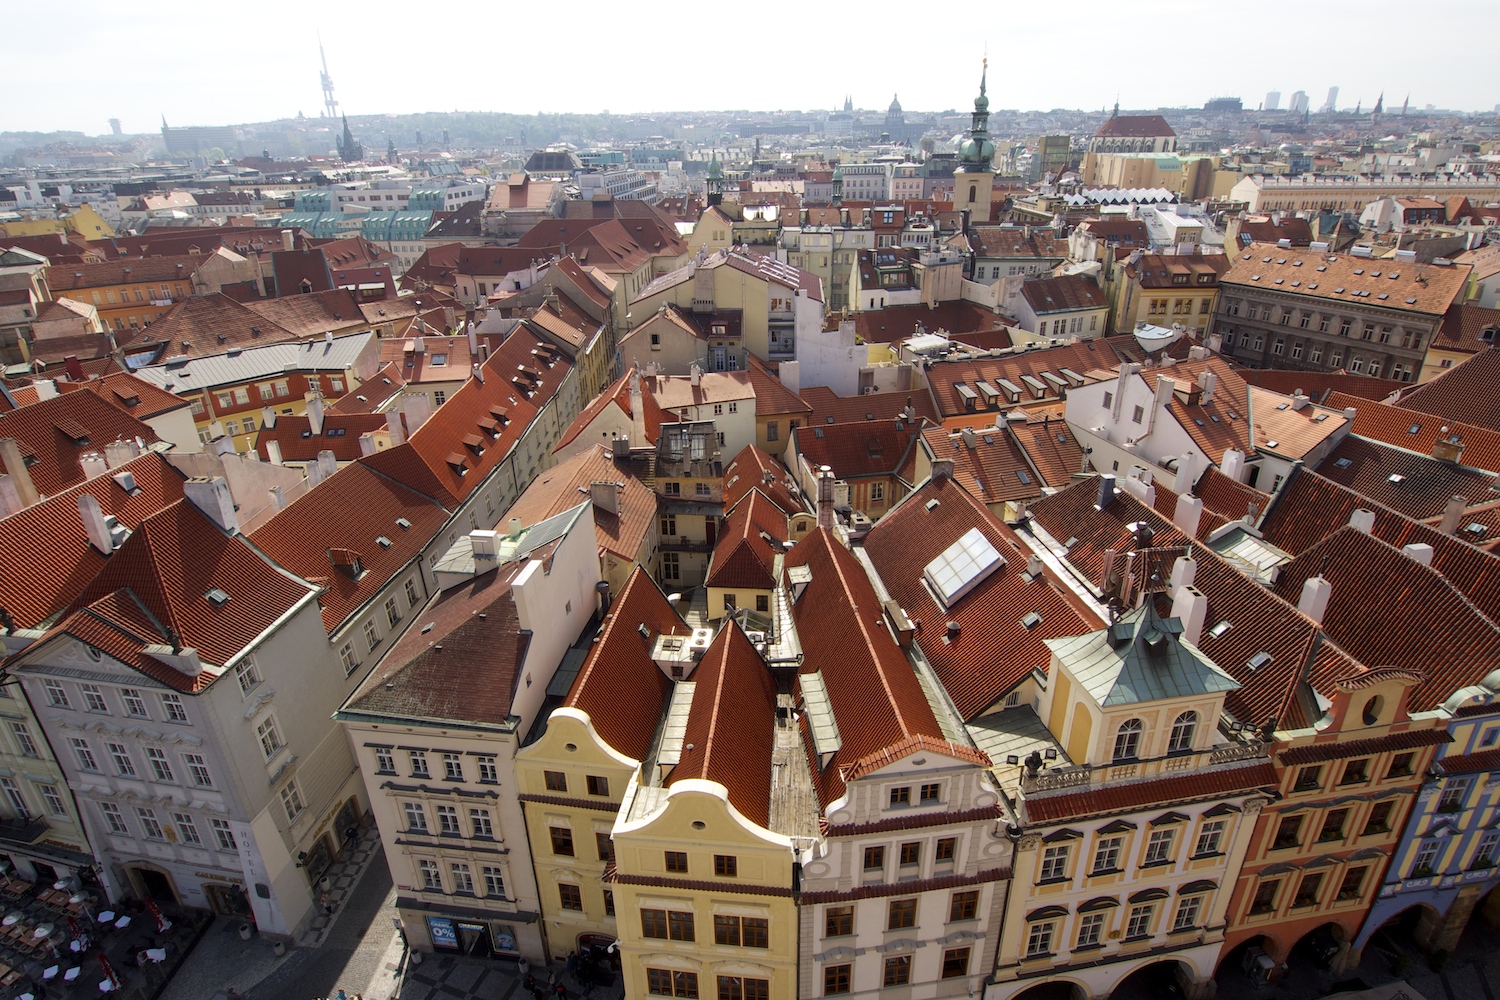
(1142, 657)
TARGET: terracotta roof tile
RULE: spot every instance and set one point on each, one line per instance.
(998, 241)
(993, 468)
(1416, 430)
(129, 394)
(830, 408)
(566, 484)
(1066, 293)
(994, 650)
(1131, 796)
(749, 540)
(350, 510)
(1415, 485)
(340, 435)
(53, 433)
(1481, 760)
(45, 556)
(618, 395)
(1134, 126)
(1470, 391)
(1431, 290)
(1161, 270)
(1050, 446)
(772, 398)
(620, 686)
(373, 393)
(311, 315)
(1318, 385)
(858, 451)
(731, 726)
(207, 324)
(128, 270)
(747, 471)
(944, 376)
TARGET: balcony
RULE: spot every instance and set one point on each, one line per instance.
(24, 831)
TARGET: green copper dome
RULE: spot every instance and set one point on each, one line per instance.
(714, 171)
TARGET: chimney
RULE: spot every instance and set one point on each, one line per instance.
(637, 412)
(327, 464)
(606, 496)
(1363, 519)
(1106, 494)
(20, 476)
(1184, 572)
(1419, 551)
(485, 545)
(267, 417)
(695, 374)
(970, 440)
(222, 445)
(185, 659)
(288, 240)
(314, 412)
(1208, 380)
(1139, 489)
(1164, 389)
(1183, 481)
(1190, 606)
(93, 464)
(393, 425)
(825, 497)
(1233, 464)
(10, 501)
(473, 341)
(1299, 400)
(1314, 600)
(211, 496)
(1449, 449)
(942, 470)
(417, 409)
(513, 528)
(1188, 514)
(278, 497)
(1452, 512)
(367, 443)
(273, 452)
(92, 516)
(118, 453)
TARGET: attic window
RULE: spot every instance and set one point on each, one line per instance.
(1395, 477)
(1413, 428)
(403, 524)
(1475, 528)
(1261, 659)
(1022, 475)
(1218, 630)
(383, 541)
(1031, 621)
(216, 597)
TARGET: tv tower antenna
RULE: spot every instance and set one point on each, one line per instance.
(330, 106)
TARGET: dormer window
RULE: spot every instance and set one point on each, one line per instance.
(1128, 741)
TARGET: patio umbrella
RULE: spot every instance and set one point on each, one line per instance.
(162, 923)
(110, 975)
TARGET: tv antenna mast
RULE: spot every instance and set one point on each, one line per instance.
(330, 106)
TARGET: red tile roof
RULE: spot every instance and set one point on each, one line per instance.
(731, 726)
(830, 408)
(772, 398)
(1162, 270)
(1296, 272)
(580, 280)
(373, 393)
(620, 686)
(1387, 609)
(1134, 126)
(871, 686)
(153, 588)
(124, 271)
(52, 434)
(129, 394)
(1007, 241)
(1481, 760)
(341, 432)
(747, 471)
(1318, 385)
(566, 485)
(943, 376)
(45, 556)
(1416, 430)
(350, 510)
(858, 451)
(425, 461)
(1469, 391)
(207, 324)
(1313, 753)
(1229, 404)
(1050, 446)
(464, 668)
(436, 266)
(994, 651)
(1216, 783)
(749, 540)
(1415, 485)
(619, 395)
(1067, 293)
(968, 322)
(994, 468)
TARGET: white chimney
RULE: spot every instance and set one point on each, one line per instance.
(1190, 606)
(118, 453)
(1314, 600)
(185, 660)
(417, 409)
(93, 464)
(1188, 514)
(20, 476)
(473, 341)
(513, 528)
(1453, 512)
(485, 545)
(92, 516)
(1363, 519)
(1299, 400)
(288, 240)
(10, 501)
(1208, 380)
(1419, 551)
(211, 496)
(1233, 464)
(327, 464)
(1184, 572)
(606, 495)
(1183, 481)
(46, 388)
(695, 374)
(314, 412)
(393, 425)
(278, 497)
(367, 443)
(1140, 490)
(267, 417)
(273, 452)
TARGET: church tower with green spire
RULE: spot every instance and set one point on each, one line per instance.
(715, 183)
(974, 183)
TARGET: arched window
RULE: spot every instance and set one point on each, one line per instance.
(1128, 740)
(1182, 732)
(973, 192)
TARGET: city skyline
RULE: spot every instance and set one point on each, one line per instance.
(267, 82)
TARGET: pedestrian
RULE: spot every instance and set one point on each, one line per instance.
(561, 992)
(572, 962)
(523, 966)
(326, 899)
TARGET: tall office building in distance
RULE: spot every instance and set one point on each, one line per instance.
(1332, 104)
(1273, 100)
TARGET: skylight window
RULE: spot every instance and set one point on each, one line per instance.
(962, 566)
(217, 597)
(1343, 463)
(1218, 630)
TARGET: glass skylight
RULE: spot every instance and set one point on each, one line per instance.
(962, 566)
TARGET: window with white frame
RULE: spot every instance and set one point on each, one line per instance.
(113, 818)
(1128, 740)
(159, 766)
(1107, 854)
(487, 772)
(1054, 863)
(134, 704)
(346, 657)
(124, 766)
(1210, 837)
(448, 820)
(1159, 847)
(479, 819)
(1090, 929)
(1039, 938)
(411, 583)
(223, 835)
(270, 737)
(149, 823)
(463, 881)
(24, 740)
(391, 614)
(54, 800)
(418, 764)
(1484, 854)
(416, 817)
(173, 706)
(198, 770)
(57, 697)
(1426, 858)
(372, 636)
(431, 877)
(16, 799)
(1139, 922)
(453, 767)
(84, 753)
(494, 882)
(247, 675)
(93, 698)
(291, 800)
(187, 830)
(1187, 913)
(385, 761)
(1183, 728)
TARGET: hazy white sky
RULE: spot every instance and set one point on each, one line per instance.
(211, 64)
